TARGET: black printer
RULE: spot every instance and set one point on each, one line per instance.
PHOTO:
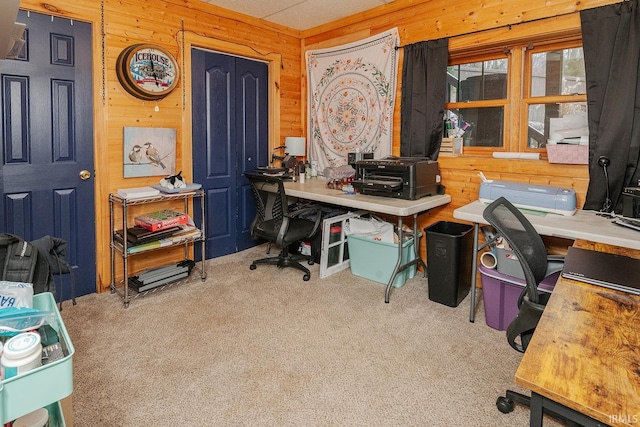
(401, 177)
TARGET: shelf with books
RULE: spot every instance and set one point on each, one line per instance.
(181, 236)
(146, 238)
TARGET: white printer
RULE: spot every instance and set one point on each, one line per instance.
(536, 197)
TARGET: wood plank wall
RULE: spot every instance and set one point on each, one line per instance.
(469, 24)
(127, 22)
(120, 23)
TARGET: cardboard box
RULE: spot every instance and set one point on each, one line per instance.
(568, 153)
(161, 220)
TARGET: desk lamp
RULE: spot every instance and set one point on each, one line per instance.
(294, 146)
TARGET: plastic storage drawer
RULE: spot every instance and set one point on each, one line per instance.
(45, 385)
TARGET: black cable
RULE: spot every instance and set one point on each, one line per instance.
(607, 202)
(604, 162)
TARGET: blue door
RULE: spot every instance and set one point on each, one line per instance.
(47, 142)
(230, 136)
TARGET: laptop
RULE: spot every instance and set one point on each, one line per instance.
(611, 271)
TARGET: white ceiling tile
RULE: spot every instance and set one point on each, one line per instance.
(299, 14)
(255, 8)
(311, 13)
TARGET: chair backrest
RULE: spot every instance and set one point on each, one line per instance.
(524, 240)
(271, 205)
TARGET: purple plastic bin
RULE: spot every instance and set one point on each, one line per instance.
(501, 292)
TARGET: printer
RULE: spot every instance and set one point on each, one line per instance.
(545, 198)
(401, 177)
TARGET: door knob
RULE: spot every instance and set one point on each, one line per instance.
(85, 174)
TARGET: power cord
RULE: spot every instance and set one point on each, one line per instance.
(605, 162)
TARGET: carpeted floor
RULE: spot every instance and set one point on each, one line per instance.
(264, 348)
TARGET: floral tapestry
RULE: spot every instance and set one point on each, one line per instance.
(351, 99)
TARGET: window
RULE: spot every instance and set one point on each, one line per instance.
(517, 98)
(555, 95)
(476, 99)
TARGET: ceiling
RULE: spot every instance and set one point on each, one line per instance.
(299, 14)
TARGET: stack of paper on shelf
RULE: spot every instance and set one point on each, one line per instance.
(138, 192)
(186, 232)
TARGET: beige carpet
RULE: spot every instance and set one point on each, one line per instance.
(264, 348)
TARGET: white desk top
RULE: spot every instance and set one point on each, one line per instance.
(584, 225)
(316, 189)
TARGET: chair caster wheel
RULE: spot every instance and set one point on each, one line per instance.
(504, 404)
(252, 267)
(310, 262)
(306, 277)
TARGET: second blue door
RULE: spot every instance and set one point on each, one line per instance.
(230, 136)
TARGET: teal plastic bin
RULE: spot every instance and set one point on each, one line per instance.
(375, 260)
(56, 416)
(44, 386)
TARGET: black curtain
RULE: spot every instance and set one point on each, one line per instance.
(611, 44)
(424, 79)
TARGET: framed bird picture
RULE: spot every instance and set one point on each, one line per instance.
(149, 151)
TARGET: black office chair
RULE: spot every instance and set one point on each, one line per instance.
(510, 224)
(280, 226)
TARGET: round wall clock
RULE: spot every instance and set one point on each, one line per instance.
(147, 71)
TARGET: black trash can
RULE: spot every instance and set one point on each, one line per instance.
(449, 261)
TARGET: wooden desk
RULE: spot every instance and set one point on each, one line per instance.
(586, 225)
(316, 190)
(585, 356)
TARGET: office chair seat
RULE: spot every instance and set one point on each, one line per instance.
(276, 223)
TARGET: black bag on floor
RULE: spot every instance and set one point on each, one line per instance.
(20, 261)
